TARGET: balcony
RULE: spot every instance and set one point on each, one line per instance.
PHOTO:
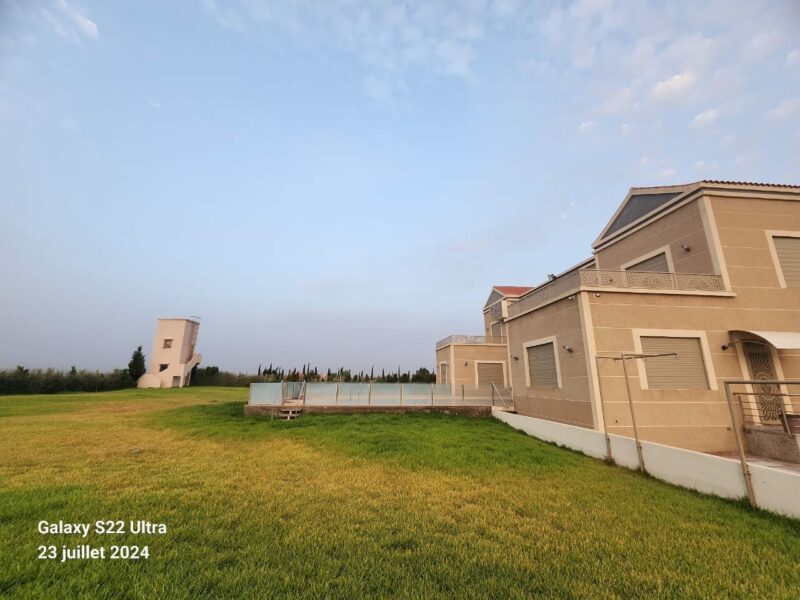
(470, 339)
(593, 279)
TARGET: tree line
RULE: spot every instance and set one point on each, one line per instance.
(52, 381)
(212, 375)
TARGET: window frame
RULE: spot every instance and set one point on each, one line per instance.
(662, 250)
(705, 351)
(776, 262)
(541, 342)
(441, 371)
(167, 343)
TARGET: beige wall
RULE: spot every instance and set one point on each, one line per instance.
(699, 419)
(571, 404)
(461, 359)
(681, 227)
(181, 356)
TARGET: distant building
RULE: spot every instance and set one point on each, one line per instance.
(474, 362)
(173, 356)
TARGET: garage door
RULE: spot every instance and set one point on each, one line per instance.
(491, 373)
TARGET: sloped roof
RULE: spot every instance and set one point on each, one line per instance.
(754, 183)
(506, 291)
(643, 201)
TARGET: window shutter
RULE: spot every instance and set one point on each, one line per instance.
(788, 251)
(542, 366)
(687, 371)
(489, 373)
(654, 264)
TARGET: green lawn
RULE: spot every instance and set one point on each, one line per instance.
(355, 506)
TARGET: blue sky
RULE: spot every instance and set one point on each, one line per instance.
(342, 182)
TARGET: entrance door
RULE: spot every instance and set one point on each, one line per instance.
(176, 381)
(762, 368)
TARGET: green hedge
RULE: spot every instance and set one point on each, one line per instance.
(52, 381)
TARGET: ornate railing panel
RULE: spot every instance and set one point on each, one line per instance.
(470, 339)
(646, 280)
(633, 280)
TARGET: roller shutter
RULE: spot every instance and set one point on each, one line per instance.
(489, 373)
(687, 371)
(542, 366)
(654, 264)
(788, 251)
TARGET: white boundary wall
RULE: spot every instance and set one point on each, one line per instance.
(775, 489)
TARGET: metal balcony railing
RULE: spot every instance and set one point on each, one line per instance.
(470, 339)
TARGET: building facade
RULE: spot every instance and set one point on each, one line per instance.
(173, 356)
(472, 363)
(703, 279)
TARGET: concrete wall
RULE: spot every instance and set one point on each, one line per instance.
(776, 490)
(571, 403)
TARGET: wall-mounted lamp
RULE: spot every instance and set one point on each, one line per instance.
(515, 357)
(597, 294)
(568, 349)
(686, 248)
(727, 345)
(571, 297)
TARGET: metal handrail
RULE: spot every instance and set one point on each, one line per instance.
(499, 395)
(740, 446)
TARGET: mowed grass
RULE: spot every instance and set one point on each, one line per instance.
(355, 506)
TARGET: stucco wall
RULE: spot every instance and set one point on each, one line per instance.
(571, 403)
(681, 227)
(699, 419)
(467, 355)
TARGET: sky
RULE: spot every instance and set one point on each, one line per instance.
(342, 182)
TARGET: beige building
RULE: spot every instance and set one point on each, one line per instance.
(173, 355)
(707, 274)
(472, 363)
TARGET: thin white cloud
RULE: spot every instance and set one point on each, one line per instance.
(586, 127)
(786, 109)
(793, 58)
(707, 117)
(587, 8)
(674, 88)
(760, 46)
(76, 20)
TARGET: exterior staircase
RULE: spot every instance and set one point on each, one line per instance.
(290, 410)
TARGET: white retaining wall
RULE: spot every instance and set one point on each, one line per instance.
(775, 489)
